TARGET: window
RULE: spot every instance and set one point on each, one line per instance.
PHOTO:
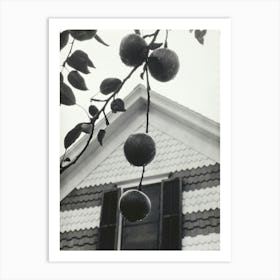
(161, 230)
(144, 235)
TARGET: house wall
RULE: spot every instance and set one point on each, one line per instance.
(187, 144)
(80, 218)
(200, 207)
(80, 212)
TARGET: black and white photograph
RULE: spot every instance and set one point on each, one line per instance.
(140, 139)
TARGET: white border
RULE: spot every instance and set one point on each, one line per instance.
(224, 255)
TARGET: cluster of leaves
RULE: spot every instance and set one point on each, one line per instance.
(79, 61)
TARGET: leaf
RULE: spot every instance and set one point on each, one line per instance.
(90, 64)
(98, 39)
(200, 40)
(80, 61)
(199, 35)
(106, 119)
(86, 127)
(117, 105)
(137, 31)
(72, 136)
(64, 37)
(100, 136)
(93, 110)
(154, 46)
(82, 35)
(203, 32)
(109, 85)
(67, 96)
(76, 80)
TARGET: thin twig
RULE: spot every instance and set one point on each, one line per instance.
(101, 110)
(166, 38)
(98, 100)
(148, 100)
(141, 180)
(94, 95)
(64, 62)
(69, 53)
(150, 35)
(83, 110)
(155, 36)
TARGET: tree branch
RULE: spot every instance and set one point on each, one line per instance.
(69, 53)
(148, 100)
(166, 38)
(141, 179)
(97, 116)
(154, 35)
(83, 110)
(150, 35)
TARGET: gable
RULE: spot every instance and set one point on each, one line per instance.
(184, 139)
(171, 155)
(187, 146)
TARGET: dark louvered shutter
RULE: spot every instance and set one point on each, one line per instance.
(171, 215)
(109, 220)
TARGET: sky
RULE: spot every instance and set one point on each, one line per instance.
(196, 85)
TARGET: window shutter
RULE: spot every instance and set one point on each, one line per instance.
(171, 215)
(109, 220)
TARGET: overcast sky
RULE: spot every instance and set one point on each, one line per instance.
(196, 85)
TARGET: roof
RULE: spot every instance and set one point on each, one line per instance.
(184, 140)
(171, 155)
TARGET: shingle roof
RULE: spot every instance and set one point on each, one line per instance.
(171, 155)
